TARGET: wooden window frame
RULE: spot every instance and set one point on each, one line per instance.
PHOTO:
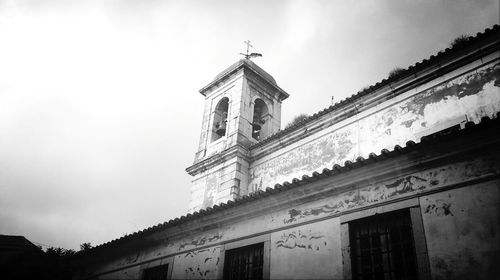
(265, 239)
(417, 228)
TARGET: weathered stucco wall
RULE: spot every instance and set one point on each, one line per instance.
(304, 236)
(441, 103)
(311, 251)
(462, 228)
(214, 185)
(209, 185)
(200, 264)
(404, 186)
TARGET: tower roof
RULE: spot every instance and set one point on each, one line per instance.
(251, 66)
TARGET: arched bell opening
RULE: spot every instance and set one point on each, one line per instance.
(260, 113)
(220, 119)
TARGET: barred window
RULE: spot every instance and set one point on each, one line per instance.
(382, 247)
(244, 263)
(156, 273)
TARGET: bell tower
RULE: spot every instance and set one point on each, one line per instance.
(242, 107)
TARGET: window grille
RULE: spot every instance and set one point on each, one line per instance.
(156, 273)
(244, 263)
(382, 247)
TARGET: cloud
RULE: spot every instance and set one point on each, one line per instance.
(99, 105)
(303, 19)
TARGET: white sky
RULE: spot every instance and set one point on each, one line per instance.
(99, 106)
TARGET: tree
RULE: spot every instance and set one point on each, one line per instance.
(297, 119)
(53, 264)
(59, 252)
(459, 41)
(363, 88)
(85, 246)
(395, 71)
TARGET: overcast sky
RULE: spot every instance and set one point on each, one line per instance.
(99, 106)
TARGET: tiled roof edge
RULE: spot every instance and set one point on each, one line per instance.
(417, 66)
(486, 122)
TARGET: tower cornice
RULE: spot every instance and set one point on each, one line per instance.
(232, 152)
(246, 64)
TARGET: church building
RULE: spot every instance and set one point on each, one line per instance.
(399, 181)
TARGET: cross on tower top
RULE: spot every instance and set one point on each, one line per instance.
(249, 55)
(247, 42)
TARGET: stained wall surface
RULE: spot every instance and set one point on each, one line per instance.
(467, 94)
(462, 229)
(459, 204)
(306, 251)
(200, 264)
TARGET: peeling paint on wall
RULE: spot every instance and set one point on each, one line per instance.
(324, 209)
(305, 159)
(462, 231)
(133, 259)
(200, 241)
(467, 85)
(467, 97)
(407, 185)
(439, 208)
(210, 190)
(302, 240)
(130, 259)
(200, 264)
(194, 253)
(307, 250)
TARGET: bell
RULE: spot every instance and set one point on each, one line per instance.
(257, 123)
(221, 129)
(256, 126)
(256, 131)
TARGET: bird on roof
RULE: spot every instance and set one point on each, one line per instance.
(249, 55)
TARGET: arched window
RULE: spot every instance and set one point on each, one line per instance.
(220, 119)
(260, 112)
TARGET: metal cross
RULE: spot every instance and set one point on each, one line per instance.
(247, 42)
(249, 55)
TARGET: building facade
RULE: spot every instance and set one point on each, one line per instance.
(399, 181)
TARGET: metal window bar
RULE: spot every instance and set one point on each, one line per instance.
(156, 273)
(382, 247)
(244, 263)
